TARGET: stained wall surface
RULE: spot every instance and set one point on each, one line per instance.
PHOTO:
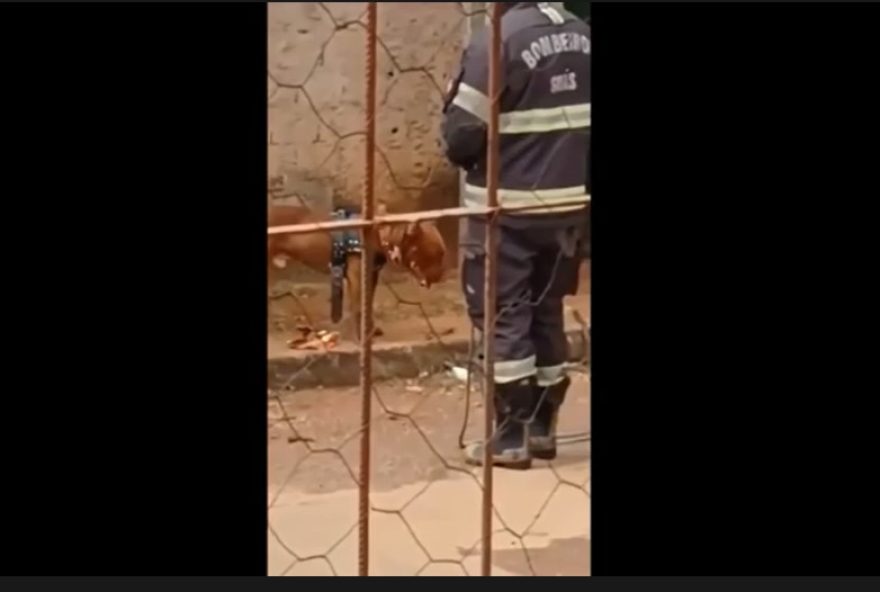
(317, 103)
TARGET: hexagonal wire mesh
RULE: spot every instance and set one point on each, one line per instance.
(324, 524)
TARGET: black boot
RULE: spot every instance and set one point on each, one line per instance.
(542, 436)
(510, 445)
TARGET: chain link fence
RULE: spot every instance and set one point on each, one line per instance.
(341, 506)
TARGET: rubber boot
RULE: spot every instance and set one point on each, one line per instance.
(542, 436)
(510, 445)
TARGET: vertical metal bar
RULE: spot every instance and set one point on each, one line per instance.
(366, 312)
(491, 246)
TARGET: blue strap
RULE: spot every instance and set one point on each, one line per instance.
(344, 241)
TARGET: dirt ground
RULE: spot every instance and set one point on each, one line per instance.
(425, 500)
(400, 309)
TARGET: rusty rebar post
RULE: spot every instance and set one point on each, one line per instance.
(366, 313)
(491, 272)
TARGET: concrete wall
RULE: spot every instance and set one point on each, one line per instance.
(316, 102)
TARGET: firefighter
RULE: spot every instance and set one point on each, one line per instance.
(544, 128)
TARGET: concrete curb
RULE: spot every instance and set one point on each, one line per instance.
(339, 368)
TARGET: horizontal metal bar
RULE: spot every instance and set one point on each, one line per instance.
(459, 212)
